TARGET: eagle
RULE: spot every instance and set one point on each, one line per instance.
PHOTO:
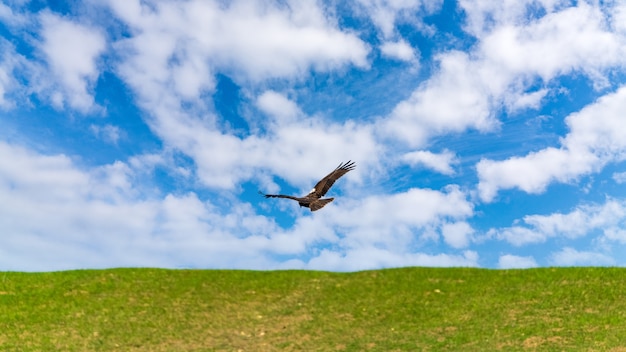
(314, 200)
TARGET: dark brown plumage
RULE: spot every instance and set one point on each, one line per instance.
(314, 200)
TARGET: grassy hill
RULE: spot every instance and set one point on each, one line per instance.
(410, 309)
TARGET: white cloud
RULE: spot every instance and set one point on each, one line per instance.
(581, 220)
(417, 207)
(619, 177)
(578, 223)
(315, 144)
(457, 235)
(571, 39)
(533, 172)
(615, 234)
(15, 73)
(483, 16)
(278, 106)
(518, 101)
(509, 261)
(386, 14)
(618, 16)
(372, 258)
(57, 216)
(7, 65)
(390, 235)
(395, 228)
(431, 110)
(400, 221)
(517, 235)
(10, 17)
(501, 68)
(72, 50)
(108, 133)
(597, 136)
(441, 162)
(400, 50)
(252, 40)
(572, 257)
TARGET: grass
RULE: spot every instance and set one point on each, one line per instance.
(409, 309)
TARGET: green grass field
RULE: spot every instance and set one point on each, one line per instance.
(410, 309)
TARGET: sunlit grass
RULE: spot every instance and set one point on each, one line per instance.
(411, 309)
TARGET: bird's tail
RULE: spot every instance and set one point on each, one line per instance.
(320, 203)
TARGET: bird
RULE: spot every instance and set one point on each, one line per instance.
(314, 200)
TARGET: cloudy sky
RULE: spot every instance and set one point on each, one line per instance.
(486, 133)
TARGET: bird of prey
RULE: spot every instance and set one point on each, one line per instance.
(314, 200)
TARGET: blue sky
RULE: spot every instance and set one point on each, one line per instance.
(486, 133)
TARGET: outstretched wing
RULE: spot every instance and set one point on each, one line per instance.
(278, 196)
(324, 184)
(320, 203)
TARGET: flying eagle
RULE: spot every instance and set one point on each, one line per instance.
(314, 200)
